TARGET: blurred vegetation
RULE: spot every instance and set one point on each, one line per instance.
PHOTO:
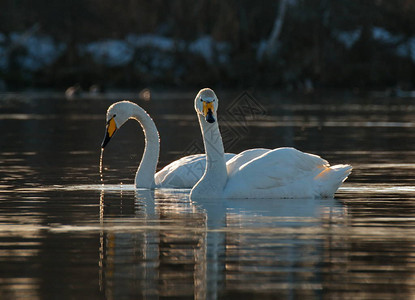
(307, 50)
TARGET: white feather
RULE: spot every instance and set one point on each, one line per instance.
(261, 173)
(285, 173)
(182, 173)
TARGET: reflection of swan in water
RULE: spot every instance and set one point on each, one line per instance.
(213, 243)
(182, 173)
(277, 173)
(164, 234)
(136, 206)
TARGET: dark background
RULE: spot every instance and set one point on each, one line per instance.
(355, 45)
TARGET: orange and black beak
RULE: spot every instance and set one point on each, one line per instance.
(109, 132)
(208, 112)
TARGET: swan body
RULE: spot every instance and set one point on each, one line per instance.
(182, 173)
(233, 165)
(260, 173)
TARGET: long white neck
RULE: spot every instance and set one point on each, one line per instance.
(214, 179)
(144, 178)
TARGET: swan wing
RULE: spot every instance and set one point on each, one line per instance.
(184, 172)
(233, 164)
(278, 173)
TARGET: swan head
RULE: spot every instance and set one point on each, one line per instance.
(117, 114)
(206, 104)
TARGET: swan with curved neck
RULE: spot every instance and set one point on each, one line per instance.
(259, 173)
(117, 114)
(182, 173)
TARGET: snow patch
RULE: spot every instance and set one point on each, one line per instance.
(348, 38)
(41, 51)
(385, 36)
(112, 53)
(260, 50)
(150, 53)
(151, 41)
(407, 49)
(209, 49)
(155, 52)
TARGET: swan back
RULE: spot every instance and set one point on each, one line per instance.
(242, 158)
(286, 173)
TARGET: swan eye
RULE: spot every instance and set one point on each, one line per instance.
(201, 100)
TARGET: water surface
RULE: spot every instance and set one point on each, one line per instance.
(64, 233)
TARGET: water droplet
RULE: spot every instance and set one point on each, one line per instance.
(100, 165)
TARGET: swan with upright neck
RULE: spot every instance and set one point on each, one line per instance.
(259, 173)
(182, 173)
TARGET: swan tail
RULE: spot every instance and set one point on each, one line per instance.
(331, 178)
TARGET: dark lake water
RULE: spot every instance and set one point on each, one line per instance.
(64, 234)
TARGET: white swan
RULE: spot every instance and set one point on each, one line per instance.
(260, 173)
(182, 173)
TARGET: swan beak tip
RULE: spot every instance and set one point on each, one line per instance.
(105, 141)
(209, 117)
(208, 112)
